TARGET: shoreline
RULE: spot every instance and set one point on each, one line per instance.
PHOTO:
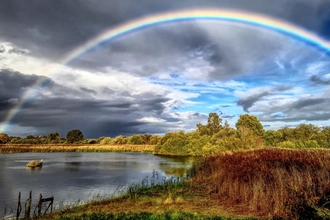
(49, 148)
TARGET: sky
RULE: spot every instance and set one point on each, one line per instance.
(164, 77)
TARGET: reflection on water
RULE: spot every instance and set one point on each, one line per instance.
(74, 176)
(33, 170)
(72, 166)
(177, 166)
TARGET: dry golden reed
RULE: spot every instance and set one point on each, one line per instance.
(268, 182)
(20, 148)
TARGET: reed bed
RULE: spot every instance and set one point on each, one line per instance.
(277, 183)
(21, 148)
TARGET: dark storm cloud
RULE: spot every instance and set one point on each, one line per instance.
(306, 103)
(299, 117)
(17, 51)
(95, 117)
(53, 28)
(88, 90)
(58, 108)
(319, 81)
(303, 109)
(13, 84)
(150, 51)
(248, 101)
(2, 49)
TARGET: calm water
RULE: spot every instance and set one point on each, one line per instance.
(72, 177)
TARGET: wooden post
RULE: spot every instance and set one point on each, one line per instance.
(39, 205)
(51, 208)
(28, 206)
(19, 206)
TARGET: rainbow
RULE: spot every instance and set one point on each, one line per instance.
(176, 16)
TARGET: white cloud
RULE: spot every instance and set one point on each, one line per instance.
(22, 61)
(151, 120)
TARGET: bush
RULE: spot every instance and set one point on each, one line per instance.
(287, 144)
(74, 136)
(4, 138)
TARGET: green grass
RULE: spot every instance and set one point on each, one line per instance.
(168, 215)
(153, 198)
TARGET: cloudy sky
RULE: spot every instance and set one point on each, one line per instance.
(166, 77)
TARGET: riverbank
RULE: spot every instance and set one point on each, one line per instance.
(266, 183)
(21, 148)
(174, 200)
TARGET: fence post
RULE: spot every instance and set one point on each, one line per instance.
(39, 205)
(19, 206)
(51, 208)
(28, 206)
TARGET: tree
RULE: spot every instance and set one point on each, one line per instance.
(173, 143)
(273, 138)
(4, 138)
(136, 139)
(155, 139)
(214, 124)
(248, 138)
(54, 137)
(251, 122)
(74, 136)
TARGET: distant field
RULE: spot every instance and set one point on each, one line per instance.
(20, 148)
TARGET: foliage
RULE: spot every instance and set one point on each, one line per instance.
(287, 144)
(173, 143)
(4, 138)
(210, 139)
(138, 139)
(54, 137)
(251, 122)
(273, 138)
(214, 124)
(74, 136)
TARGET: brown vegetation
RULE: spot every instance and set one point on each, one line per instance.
(35, 163)
(19, 148)
(268, 182)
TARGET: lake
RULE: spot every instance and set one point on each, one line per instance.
(73, 176)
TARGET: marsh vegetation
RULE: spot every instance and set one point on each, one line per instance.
(241, 172)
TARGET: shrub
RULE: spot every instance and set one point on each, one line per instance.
(74, 136)
(281, 183)
(4, 138)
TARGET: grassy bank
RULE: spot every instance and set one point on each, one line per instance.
(169, 200)
(257, 184)
(21, 148)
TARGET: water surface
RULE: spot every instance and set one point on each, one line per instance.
(76, 176)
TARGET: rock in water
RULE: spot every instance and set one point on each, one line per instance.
(35, 163)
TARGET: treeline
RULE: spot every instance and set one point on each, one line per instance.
(76, 137)
(216, 136)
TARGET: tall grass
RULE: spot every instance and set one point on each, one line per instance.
(278, 183)
(22, 148)
(166, 215)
